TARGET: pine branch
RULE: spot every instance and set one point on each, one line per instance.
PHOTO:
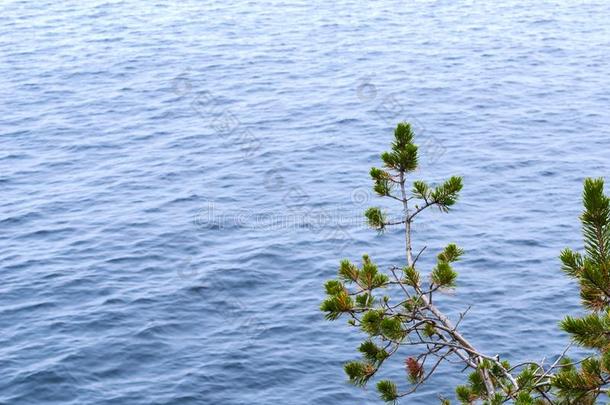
(415, 321)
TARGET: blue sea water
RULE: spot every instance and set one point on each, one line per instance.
(178, 179)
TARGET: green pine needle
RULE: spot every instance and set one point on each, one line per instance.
(387, 391)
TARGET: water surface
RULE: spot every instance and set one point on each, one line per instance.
(178, 180)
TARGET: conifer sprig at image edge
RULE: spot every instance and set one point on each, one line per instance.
(396, 309)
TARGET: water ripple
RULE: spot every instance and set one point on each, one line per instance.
(124, 122)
